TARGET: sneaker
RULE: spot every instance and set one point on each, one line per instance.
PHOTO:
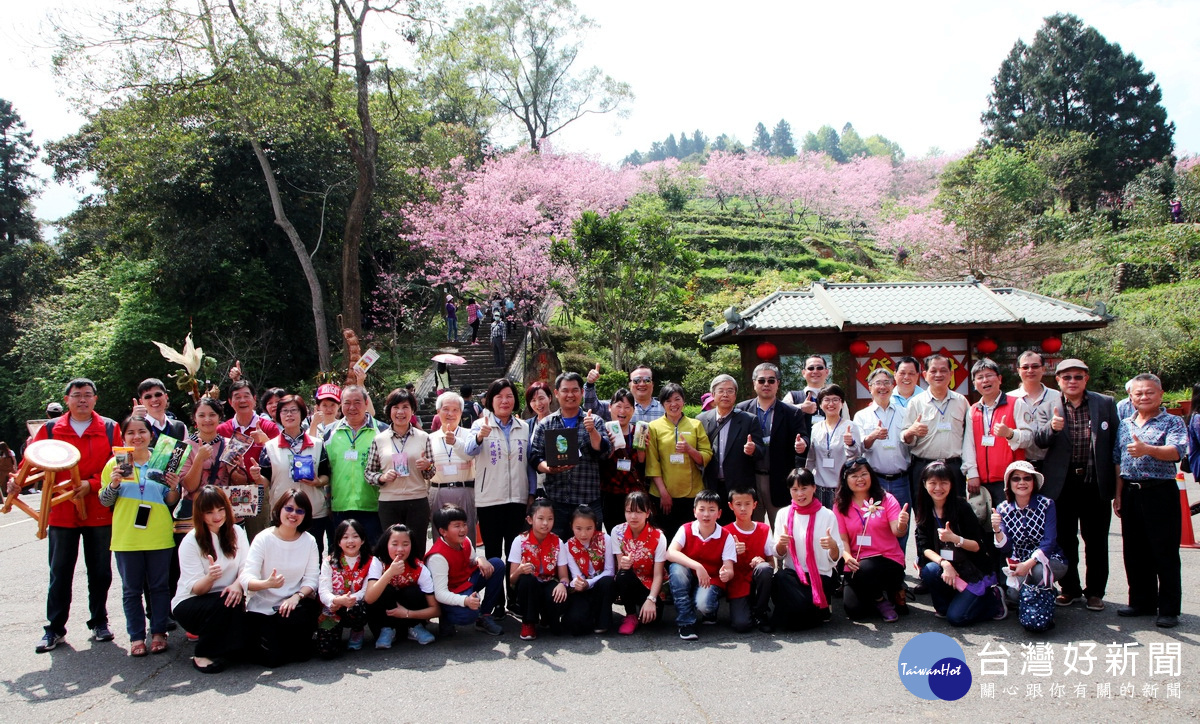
(628, 625)
(528, 632)
(1063, 599)
(1095, 603)
(49, 642)
(887, 610)
(387, 636)
(417, 632)
(688, 633)
(488, 625)
(356, 641)
(1001, 614)
(101, 633)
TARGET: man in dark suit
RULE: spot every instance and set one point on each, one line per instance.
(1081, 478)
(736, 441)
(785, 432)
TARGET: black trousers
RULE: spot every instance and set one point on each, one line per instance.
(1151, 521)
(221, 628)
(794, 607)
(877, 577)
(1084, 513)
(276, 640)
(590, 610)
(535, 602)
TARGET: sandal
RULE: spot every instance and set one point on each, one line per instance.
(137, 648)
(158, 644)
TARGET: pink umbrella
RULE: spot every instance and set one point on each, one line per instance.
(450, 359)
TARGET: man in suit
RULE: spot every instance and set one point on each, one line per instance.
(790, 430)
(1081, 479)
(736, 440)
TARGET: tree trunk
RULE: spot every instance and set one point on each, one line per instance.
(310, 273)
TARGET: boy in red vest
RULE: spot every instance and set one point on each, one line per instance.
(458, 576)
(749, 591)
(701, 557)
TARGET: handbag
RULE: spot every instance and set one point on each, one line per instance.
(1035, 610)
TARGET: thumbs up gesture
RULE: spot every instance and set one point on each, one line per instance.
(749, 447)
(903, 519)
(274, 580)
(826, 540)
(1137, 448)
(1057, 421)
(214, 570)
(593, 374)
(801, 445)
(945, 535)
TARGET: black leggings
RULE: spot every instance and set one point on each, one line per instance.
(876, 578)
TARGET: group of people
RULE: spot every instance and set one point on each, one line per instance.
(647, 507)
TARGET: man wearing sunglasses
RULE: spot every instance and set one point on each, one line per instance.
(1081, 479)
(788, 427)
(152, 403)
(646, 408)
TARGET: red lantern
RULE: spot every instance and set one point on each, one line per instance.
(1052, 344)
(766, 351)
(859, 348)
(987, 345)
(921, 350)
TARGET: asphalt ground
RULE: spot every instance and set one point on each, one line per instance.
(843, 671)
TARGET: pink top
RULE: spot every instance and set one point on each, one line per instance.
(878, 527)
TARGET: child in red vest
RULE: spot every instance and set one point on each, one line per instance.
(702, 555)
(640, 551)
(590, 561)
(399, 590)
(749, 591)
(537, 569)
(458, 576)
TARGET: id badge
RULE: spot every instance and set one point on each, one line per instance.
(944, 425)
(988, 440)
(350, 455)
(678, 458)
(948, 554)
(400, 463)
(827, 462)
(449, 469)
(864, 540)
(625, 465)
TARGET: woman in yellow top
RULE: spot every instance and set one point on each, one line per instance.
(677, 449)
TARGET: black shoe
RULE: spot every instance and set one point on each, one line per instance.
(1167, 621)
(1131, 611)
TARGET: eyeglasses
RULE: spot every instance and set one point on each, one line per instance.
(854, 463)
(641, 380)
(154, 395)
(1072, 378)
(767, 380)
(815, 369)
(1032, 367)
(293, 510)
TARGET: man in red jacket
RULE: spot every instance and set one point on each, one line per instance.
(990, 442)
(94, 436)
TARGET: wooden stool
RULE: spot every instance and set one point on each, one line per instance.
(44, 460)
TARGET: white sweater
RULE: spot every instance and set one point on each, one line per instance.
(296, 561)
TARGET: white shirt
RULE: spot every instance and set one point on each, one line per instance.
(295, 560)
(889, 455)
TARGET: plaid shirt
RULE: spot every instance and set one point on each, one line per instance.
(1162, 429)
(1079, 428)
(580, 484)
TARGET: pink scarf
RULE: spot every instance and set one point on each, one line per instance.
(810, 558)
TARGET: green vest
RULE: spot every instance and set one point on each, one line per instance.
(347, 483)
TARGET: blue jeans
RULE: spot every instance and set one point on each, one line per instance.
(962, 608)
(692, 601)
(151, 570)
(900, 490)
(63, 548)
(492, 586)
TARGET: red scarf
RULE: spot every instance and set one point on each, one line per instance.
(543, 556)
(810, 556)
(589, 558)
(641, 552)
(345, 580)
(408, 577)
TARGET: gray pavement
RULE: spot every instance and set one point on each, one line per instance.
(843, 672)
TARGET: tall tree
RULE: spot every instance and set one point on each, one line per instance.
(1072, 79)
(782, 144)
(525, 52)
(762, 140)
